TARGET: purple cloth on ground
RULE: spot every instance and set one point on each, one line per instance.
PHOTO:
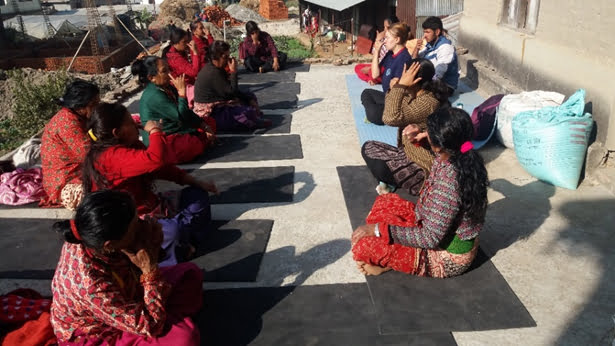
(21, 186)
(189, 225)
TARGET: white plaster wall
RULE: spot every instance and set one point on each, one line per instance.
(573, 47)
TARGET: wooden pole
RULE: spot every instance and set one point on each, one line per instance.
(352, 36)
(133, 36)
(78, 49)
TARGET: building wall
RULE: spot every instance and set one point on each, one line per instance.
(571, 48)
(24, 6)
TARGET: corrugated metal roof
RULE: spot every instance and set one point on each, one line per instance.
(426, 8)
(338, 5)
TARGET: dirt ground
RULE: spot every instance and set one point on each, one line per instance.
(327, 49)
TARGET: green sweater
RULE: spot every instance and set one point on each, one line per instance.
(155, 104)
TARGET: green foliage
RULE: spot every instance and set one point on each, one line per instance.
(293, 47)
(34, 105)
(144, 18)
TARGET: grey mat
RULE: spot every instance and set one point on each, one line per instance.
(233, 250)
(481, 299)
(274, 95)
(246, 185)
(338, 314)
(280, 125)
(30, 249)
(254, 148)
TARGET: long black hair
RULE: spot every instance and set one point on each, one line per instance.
(449, 128)
(104, 118)
(426, 72)
(101, 216)
(175, 37)
(145, 68)
(78, 94)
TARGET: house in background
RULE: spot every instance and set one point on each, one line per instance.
(371, 13)
(558, 45)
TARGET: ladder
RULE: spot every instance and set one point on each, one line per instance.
(96, 29)
(50, 29)
(19, 18)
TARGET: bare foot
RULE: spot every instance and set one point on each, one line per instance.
(369, 269)
(261, 70)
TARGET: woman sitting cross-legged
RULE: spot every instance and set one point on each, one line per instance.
(438, 236)
(164, 98)
(108, 289)
(390, 69)
(65, 144)
(119, 161)
(407, 106)
(259, 51)
(217, 94)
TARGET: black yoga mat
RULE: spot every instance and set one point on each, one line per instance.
(336, 314)
(286, 75)
(274, 95)
(232, 251)
(245, 185)
(253, 148)
(477, 300)
(280, 125)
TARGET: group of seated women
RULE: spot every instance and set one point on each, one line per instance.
(434, 159)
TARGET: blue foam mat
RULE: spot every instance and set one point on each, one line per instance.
(367, 131)
(387, 134)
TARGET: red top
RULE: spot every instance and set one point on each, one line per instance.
(179, 63)
(64, 146)
(102, 297)
(202, 46)
(133, 169)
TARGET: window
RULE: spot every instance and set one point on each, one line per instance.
(521, 14)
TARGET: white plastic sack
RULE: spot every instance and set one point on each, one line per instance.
(511, 105)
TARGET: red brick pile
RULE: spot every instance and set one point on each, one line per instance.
(273, 9)
(218, 15)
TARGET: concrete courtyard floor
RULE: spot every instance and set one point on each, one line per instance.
(553, 246)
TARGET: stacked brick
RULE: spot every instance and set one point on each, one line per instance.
(273, 9)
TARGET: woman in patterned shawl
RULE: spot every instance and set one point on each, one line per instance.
(108, 288)
(65, 144)
(439, 236)
(407, 106)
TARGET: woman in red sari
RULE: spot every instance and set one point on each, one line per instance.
(437, 237)
(201, 37)
(65, 144)
(108, 288)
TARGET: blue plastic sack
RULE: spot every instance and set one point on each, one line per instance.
(551, 142)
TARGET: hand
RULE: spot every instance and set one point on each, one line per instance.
(417, 47)
(206, 31)
(152, 125)
(142, 55)
(380, 35)
(208, 186)
(232, 65)
(142, 260)
(413, 133)
(276, 64)
(371, 82)
(363, 231)
(192, 47)
(180, 84)
(408, 77)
